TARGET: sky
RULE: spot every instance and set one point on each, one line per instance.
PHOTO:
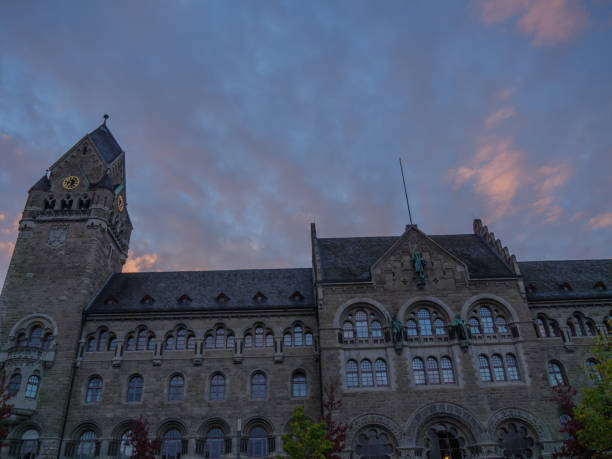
(245, 121)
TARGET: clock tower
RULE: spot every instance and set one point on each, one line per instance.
(74, 232)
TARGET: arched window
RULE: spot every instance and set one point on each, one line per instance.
(141, 341)
(102, 341)
(91, 345)
(298, 385)
(28, 446)
(215, 444)
(151, 343)
(483, 366)
(269, 340)
(230, 342)
(208, 342)
(94, 390)
(22, 340)
(287, 340)
(367, 378)
(411, 327)
(347, 330)
(362, 324)
(448, 376)
(176, 388)
(500, 322)
(554, 328)
(220, 338)
(131, 344)
(486, 318)
(126, 449)
(381, 373)
(376, 329)
(590, 327)
(180, 339)
(190, 343)
(258, 444)
(579, 325)
(297, 335)
(424, 322)
(571, 327)
(592, 371)
(135, 385)
(259, 337)
(512, 366)
(35, 335)
(258, 386)
(32, 387)
(308, 339)
(248, 341)
(419, 371)
(474, 326)
(170, 342)
(352, 374)
(555, 374)
(439, 327)
(87, 445)
(14, 384)
(171, 444)
(542, 329)
(112, 344)
(217, 387)
(498, 368)
(433, 373)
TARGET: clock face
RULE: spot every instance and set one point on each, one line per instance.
(120, 203)
(70, 182)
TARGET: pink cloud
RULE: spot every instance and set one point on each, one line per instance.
(2, 217)
(503, 94)
(547, 22)
(601, 221)
(499, 116)
(144, 262)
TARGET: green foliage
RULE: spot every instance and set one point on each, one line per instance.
(306, 439)
(594, 410)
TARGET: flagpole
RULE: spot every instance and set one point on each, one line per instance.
(405, 191)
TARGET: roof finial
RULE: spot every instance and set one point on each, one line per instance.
(105, 118)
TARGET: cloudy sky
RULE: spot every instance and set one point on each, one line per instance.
(243, 122)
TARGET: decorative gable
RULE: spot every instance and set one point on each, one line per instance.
(184, 299)
(147, 299)
(259, 297)
(222, 298)
(296, 296)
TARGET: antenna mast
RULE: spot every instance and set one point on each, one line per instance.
(405, 191)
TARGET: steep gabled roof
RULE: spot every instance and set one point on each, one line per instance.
(547, 278)
(105, 143)
(203, 288)
(43, 184)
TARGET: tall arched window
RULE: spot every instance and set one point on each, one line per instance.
(381, 373)
(209, 342)
(542, 328)
(376, 329)
(411, 327)
(169, 342)
(94, 390)
(361, 319)
(258, 386)
(448, 376)
(176, 388)
(500, 322)
(151, 343)
(141, 341)
(486, 319)
(28, 446)
(14, 384)
(352, 374)
(220, 338)
(112, 344)
(35, 335)
(32, 387)
(439, 327)
(308, 339)
(217, 387)
(483, 366)
(498, 368)
(171, 445)
(512, 366)
(258, 442)
(181, 335)
(87, 445)
(126, 449)
(298, 385)
(269, 340)
(135, 385)
(102, 340)
(287, 340)
(419, 371)
(433, 373)
(367, 378)
(248, 340)
(91, 345)
(297, 335)
(230, 341)
(555, 374)
(590, 327)
(191, 342)
(347, 330)
(474, 326)
(215, 443)
(259, 337)
(424, 322)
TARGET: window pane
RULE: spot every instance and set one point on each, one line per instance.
(259, 337)
(126, 450)
(217, 387)
(102, 341)
(112, 345)
(308, 339)
(362, 324)
(258, 444)
(35, 336)
(141, 340)
(500, 321)
(269, 340)
(419, 371)
(190, 342)
(180, 339)
(32, 387)
(87, 445)
(208, 342)
(433, 374)
(555, 375)
(376, 329)
(512, 366)
(171, 446)
(381, 373)
(424, 322)
(487, 320)
(541, 328)
(439, 326)
(448, 377)
(258, 386)
(94, 390)
(135, 389)
(22, 340)
(287, 340)
(169, 342)
(474, 326)
(485, 370)
(411, 327)
(352, 375)
(215, 444)
(220, 338)
(230, 342)
(347, 330)
(248, 341)
(299, 385)
(297, 336)
(14, 384)
(367, 378)
(91, 344)
(175, 390)
(498, 368)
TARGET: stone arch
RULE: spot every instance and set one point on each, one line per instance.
(209, 423)
(258, 420)
(22, 323)
(444, 410)
(496, 418)
(373, 303)
(374, 420)
(487, 296)
(18, 431)
(424, 299)
(83, 426)
(171, 423)
(121, 427)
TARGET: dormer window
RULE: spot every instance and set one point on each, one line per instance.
(296, 296)
(184, 299)
(531, 288)
(147, 299)
(599, 285)
(110, 300)
(260, 297)
(566, 287)
(222, 298)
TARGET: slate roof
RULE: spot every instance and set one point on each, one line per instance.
(350, 259)
(105, 143)
(43, 184)
(203, 287)
(105, 182)
(582, 275)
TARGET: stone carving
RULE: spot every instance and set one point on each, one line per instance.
(419, 266)
(57, 236)
(396, 326)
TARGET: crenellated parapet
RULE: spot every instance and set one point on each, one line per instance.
(495, 244)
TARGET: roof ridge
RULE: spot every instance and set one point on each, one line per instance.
(216, 271)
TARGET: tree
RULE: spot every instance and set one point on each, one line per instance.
(144, 448)
(306, 439)
(572, 445)
(5, 409)
(336, 430)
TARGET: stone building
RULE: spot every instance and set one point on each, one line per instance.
(442, 345)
